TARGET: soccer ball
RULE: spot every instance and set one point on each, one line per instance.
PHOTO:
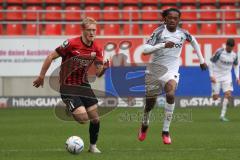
(74, 144)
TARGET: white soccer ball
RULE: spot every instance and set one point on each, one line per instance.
(74, 144)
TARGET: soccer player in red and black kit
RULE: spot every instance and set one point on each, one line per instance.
(77, 56)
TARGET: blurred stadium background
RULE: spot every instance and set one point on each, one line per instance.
(30, 29)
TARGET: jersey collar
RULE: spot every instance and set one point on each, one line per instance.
(85, 44)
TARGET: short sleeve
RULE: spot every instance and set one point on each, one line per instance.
(217, 55)
(64, 48)
(156, 36)
(152, 40)
(99, 57)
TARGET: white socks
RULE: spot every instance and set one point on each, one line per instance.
(224, 107)
(168, 114)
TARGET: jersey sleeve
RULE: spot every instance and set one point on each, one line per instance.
(99, 57)
(235, 62)
(155, 37)
(189, 37)
(216, 56)
(64, 48)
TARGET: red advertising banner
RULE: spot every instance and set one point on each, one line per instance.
(26, 56)
(130, 50)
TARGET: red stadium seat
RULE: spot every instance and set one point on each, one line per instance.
(52, 1)
(207, 1)
(91, 1)
(149, 1)
(230, 13)
(111, 29)
(1, 14)
(227, 1)
(14, 29)
(229, 29)
(33, 1)
(15, 1)
(147, 29)
(129, 2)
(72, 1)
(190, 27)
(95, 15)
(131, 29)
(111, 1)
(130, 12)
(33, 15)
(209, 13)
(111, 15)
(1, 29)
(17, 15)
(169, 1)
(72, 13)
(33, 29)
(189, 15)
(72, 29)
(51, 15)
(208, 29)
(148, 15)
(53, 29)
(188, 1)
(167, 7)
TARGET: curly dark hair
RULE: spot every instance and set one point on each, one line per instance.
(230, 42)
(166, 12)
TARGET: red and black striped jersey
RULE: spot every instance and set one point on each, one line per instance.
(77, 58)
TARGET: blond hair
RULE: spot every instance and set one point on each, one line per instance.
(87, 21)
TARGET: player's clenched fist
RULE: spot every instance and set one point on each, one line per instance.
(106, 64)
(213, 79)
(169, 44)
(203, 66)
(38, 82)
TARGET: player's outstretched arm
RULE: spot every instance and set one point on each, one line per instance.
(101, 68)
(195, 45)
(148, 49)
(46, 64)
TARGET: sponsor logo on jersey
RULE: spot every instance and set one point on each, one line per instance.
(178, 45)
(93, 54)
(228, 63)
(65, 44)
(81, 61)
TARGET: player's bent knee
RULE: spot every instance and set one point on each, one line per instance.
(215, 97)
(80, 115)
(81, 119)
(95, 121)
(227, 95)
(150, 102)
(170, 98)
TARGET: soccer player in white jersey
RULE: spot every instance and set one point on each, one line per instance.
(165, 45)
(220, 68)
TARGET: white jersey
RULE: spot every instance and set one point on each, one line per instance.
(222, 63)
(168, 57)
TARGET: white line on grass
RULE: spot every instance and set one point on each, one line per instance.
(122, 150)
(174, 149)
(33, 150)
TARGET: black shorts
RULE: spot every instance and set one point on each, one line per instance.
(76, 96)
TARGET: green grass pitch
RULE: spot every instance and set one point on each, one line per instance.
(37, 134)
